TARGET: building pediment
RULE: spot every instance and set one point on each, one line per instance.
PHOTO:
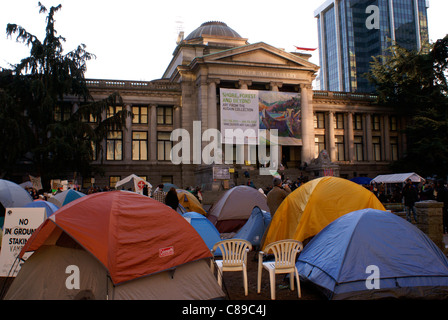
(259, 54)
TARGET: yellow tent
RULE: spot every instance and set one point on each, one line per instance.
(310, 208)
(190, 202)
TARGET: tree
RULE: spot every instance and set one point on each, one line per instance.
(415, 85)
(33, 97)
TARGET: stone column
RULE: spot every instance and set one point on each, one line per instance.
(127, 136)
(212, 113)
(275, 85)
(244, 84)
(350, 137)
(153, 133)
(386, 140)
(307, 123)
(369, 145)
(331, 140)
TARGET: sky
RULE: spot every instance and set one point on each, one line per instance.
(135, 39)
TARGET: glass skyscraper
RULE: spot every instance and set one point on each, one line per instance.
(352, 31)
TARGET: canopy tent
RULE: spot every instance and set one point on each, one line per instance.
(65, 197)
(142, 247)
(50, 207)
(340, 259)
(190, 202)
(254, 229)
(312, 206)
(232, 210)
(397, 178)
(134, 182)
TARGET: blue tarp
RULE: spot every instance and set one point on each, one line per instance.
(255, 227)
(204, 227)
(408, 263)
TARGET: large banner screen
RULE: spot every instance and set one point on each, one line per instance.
(251, 110)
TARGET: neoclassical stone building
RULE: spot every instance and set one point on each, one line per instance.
(360, 137)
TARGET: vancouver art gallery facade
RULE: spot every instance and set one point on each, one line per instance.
(214, 65)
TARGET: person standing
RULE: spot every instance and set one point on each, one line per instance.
(410, 195)
(171, 198)
(276, 196)
(159, 194)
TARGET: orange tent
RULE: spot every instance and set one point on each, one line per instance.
(129, 234)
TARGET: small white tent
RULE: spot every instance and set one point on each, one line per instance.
(135, 182)
(398, 178)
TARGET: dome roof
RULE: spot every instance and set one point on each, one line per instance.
(213, 28)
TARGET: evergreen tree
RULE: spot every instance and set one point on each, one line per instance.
(415, 85)
(39, 127)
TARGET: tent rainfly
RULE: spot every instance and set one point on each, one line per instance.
(134, 181)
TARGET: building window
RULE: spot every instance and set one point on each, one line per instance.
(114, 145)
(357, 122)
(164, 146)
(376, 141)
(339, 121)
(319, 144)
(113, 181)
(113, 110)
(62, 113)
(319, 120)
(393, 123)
(167, 179)
(340, 148)
(394, 148)
(139, 145)
(94, 151)
(140, 114)
(164, 115)
(359, 146)
(376, 123)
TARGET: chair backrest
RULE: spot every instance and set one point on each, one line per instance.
(234, 251)
(285, 252)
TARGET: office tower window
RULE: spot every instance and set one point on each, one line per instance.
(164, 146)
(139, 145)
(140, 114)
(319, 120)
(376, 141)
(114, 145)
(340, 148)
(359, 147)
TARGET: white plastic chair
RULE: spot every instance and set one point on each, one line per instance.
(234, 258)
(285, 254)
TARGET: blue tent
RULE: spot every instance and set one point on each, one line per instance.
(361, 180)
(255, 227)
(50, 208)
(204, 227)
(373, 254)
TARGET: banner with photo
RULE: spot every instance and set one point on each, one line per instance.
(265, 110)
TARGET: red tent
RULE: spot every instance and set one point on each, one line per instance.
(130, 234)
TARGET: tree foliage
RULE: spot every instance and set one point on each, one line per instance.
(32, 93)
(415, 85)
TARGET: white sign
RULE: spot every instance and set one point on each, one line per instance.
(240, 116)
(20, 223)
